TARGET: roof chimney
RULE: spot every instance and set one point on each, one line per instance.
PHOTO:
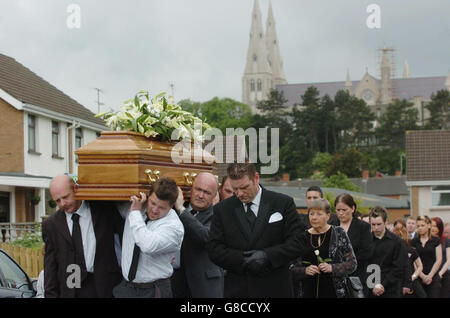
(365, 174)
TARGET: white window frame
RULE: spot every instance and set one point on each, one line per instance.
(433, 191)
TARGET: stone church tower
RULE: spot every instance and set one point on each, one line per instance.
(264, 66)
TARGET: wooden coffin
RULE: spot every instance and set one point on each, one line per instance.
(120, 164)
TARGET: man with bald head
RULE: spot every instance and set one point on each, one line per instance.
(80, 259)
(197, 276)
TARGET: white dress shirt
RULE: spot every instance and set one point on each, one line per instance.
(256, 202)
(87, 234)
(159, 241)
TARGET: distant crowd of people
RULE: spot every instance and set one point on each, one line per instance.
(236, 239)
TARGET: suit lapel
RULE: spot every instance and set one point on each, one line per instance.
(61, 225)
(239, 213)
(263, 217)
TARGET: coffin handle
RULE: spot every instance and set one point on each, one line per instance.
(187, 178)
(152, 175)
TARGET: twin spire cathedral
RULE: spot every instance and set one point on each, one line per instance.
(264, 66)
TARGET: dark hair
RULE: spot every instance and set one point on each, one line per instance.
(440, 226)
(377, 211)
(239, 170)
(165, 189)
(347, 199)
(315, 188)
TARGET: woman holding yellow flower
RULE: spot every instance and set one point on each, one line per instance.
(328, 257)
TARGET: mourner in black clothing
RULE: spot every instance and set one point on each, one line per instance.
(358, 232)
(430, 252)
(389, 253)
(324, 277)
(437, 229)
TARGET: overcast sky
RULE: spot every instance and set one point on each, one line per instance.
(200, 45)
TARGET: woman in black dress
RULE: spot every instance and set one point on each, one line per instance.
(330, 243)
(430, 252)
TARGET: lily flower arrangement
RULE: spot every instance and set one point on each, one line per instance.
(159, 117)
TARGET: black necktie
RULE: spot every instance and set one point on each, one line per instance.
(78, 244)
(135, 260)
(251, 217)
(194, 212)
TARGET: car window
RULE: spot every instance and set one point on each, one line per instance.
(13, 276)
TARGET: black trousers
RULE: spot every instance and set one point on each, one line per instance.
(158, 289)
(87, 289)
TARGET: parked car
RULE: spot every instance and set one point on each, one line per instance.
(14, 282)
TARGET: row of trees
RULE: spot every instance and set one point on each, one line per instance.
(327, 134)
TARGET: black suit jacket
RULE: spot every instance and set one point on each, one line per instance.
(197, 273)
(60, 253)
(230, 236)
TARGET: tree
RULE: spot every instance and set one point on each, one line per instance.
(439, 108)
(221, 113)
(399, 117)
(340, 181)
(351, 163)
(353, 120)
(321, 161)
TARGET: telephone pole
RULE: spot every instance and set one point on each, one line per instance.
(98, 98)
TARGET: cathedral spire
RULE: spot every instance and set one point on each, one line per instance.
(272, 44)
(257, 80)
(447, 82)
(348, 82)
(256, 53)
(386, 76)
(406, 72)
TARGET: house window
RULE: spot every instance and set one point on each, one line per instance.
(31, 133)
(440, 196)
(259, 85)
(78, 137)
(55, 138)
(252, 85)
(254, 57)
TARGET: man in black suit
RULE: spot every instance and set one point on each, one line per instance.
(80, 259)
(389, 254)
(197, 276)
(254, 235)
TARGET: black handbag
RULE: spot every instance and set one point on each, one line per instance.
(354, 287)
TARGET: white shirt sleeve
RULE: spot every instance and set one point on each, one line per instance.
(164, 238)
(40, 285)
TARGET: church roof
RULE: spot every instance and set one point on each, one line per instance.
(27, 87)
(405, 88)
